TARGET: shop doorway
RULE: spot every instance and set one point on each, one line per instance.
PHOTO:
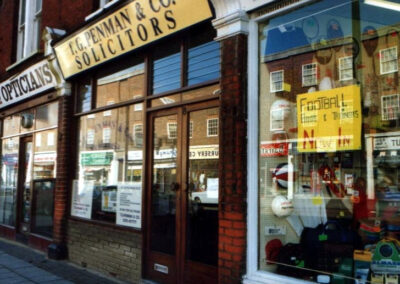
(182, 195)
(24, 189)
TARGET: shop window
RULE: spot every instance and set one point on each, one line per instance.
(326, 165)
(388, 60)
(45, 155)
(390, 107)
(84, 94)
(47, 116)
(9, 177)
(212, 127)
(276, 78)
(11, 125)
(108, 180)
(309, 74)
(167, 68)
(172, 128)
(29, 26)
(116, 85)
(346, 68)
(203, 59)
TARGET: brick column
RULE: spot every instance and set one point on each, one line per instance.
(58, 249)
(233, 166)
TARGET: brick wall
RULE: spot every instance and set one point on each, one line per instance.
(233, 204)
(7, 35)
(112, 252)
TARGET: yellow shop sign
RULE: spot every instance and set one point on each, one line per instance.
(329, 120)
(134, 25)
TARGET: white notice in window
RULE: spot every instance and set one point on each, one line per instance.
(129, 204)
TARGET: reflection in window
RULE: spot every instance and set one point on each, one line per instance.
(84, 95)
(388, 60)
(110, 168)
(115, 85)
(346, 68)
(309, 74)
(9, 181)
(212, 127)
(106, 135)
(390, 107)
(276, 78)
(172, 130)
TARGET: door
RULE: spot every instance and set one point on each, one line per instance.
(24, 189)
(182, 200)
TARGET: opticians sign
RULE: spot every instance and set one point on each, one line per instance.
(132, 26)
(30, 82)
(329, 121)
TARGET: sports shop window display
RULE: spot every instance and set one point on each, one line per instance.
(329, 156)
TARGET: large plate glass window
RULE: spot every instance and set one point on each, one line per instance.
(108, 182)
(329, 142)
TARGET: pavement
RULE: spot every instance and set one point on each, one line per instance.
(23, 265)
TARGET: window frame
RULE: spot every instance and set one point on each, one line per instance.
(28, 31)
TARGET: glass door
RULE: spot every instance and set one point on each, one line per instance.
(24, 188)
(182, 201)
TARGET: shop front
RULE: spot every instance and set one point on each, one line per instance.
(324, 183)
(144, 196)
(29, 105)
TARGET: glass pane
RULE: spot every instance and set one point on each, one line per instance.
(203, 59)
(42, 221)
(27, 120)
(167, 69)
(22, 10)
(213, 90)
(11, 125)
(47, 116)
(120, 85)
(109, 184)
(166, 100)
(44, 161)
(84, 96)
(163, 203)
(102, 161)
(9, 181)
(329, 175)
(26, 191)
(202, 212)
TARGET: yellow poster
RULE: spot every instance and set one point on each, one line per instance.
(132, 26)
(329, 121)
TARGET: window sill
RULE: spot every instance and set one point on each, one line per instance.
(23, 60)
(105, 224)
(100, 10)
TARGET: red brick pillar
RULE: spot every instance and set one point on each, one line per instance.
(58, 248)
(233, 166)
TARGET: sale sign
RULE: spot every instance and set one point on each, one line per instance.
(329, 121)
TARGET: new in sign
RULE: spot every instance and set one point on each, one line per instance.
(329, 121)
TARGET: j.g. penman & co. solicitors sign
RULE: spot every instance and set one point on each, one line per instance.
(131, 26)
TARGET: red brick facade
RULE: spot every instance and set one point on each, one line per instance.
(233, 188)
